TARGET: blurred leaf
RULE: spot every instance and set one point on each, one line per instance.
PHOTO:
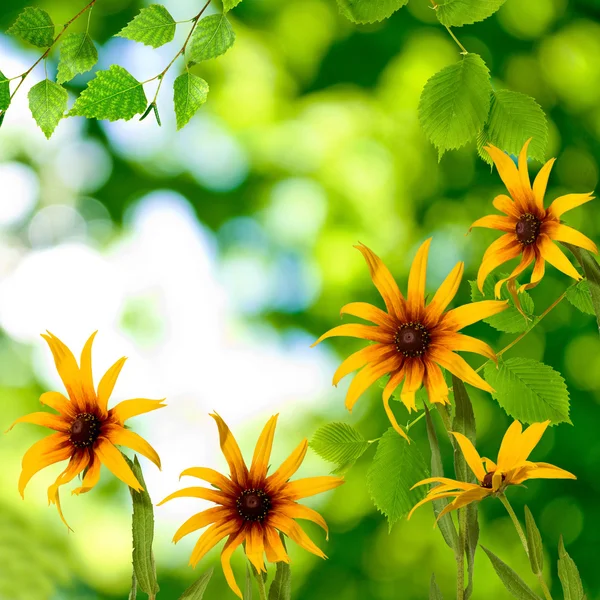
(77, 55)
(529, 391)
(369, 11)
(512, 582)
(35, 26)
(513, 119)
(455, 103)
(580, 297)
(591, 270)
(281, 587)
(455, 13)
(229, 4)
(534, 543)
(197, 589)
(4, 92)
(189, 94)
(113, 94)
(569, 574)
(247, 591)
(213, 36)
(339, 443)
(509, 320)
(397, 466)
(434, 590)
(48, 103)
(153, 26)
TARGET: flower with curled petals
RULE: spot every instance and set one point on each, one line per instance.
(413, 339)
(530, 230)
(511, 468)
(87, 431)
(251, 505)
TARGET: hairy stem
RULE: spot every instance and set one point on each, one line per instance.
(460, 554)
(262, 592)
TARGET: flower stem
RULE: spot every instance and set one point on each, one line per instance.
(523, 538)
(262, 592)
(460, 554)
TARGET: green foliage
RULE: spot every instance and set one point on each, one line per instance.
(513, 119)
(369, 11)
(591, 270)
(580, 297)
(534, 543)
(229, 4)
(281, 588)
(189, 94)
(152, 26)
(213, 36)
(509, 320)
(197, 589)
(512, 582)
(456, 13)
(77, 55)
(113, 94)
(35, 26)
(48, 103)
(134, 587)
(455, 103)
(397, 466)
(529, 391)
(434, 591)
(339, 443)
(4, 92)
(569, 575)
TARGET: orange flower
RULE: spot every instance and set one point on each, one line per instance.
(251, 506)
(529, 228)
(86, 431)
(412, 339)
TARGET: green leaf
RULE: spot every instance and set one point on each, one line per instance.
(113, 94)
(513, 119)
(534, 543)
(197, 589)
(213, 36)
(189, 94)
(281, 588)
(369, 11)
(529, 391)
(48, 103)
(456, 13)
(509, 320)
(247, 591)
(77, 55)
(152, 26)
(35, 26)
(434, 591)
(397, 466)
(569, 574)
(445, 524)
(455, 103)
(143, 534)
(580, 297)
(134, 586)
(339, 443)
(229, 4)
(512, 582)
(4, 92)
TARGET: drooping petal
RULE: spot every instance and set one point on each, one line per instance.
(537, 275)
(85, 368)
(113, 460)
(288, 467)
(367, 376)
(459, 485)
(255, 547)
(310, 486)
(507, 170)
(211, 537)
(509, 448)
(262, 453)
(364, 310)
(554, 255)
(232, 453)
(44, 419)
(564, 233)
(91, 477)
(471, 455)
(526, 259)
(506, 205)
(372, 353)
(505, 248)
(136, 406)
(197, 492)
(232, 543)
(464, 343)
(459, 367)
(540, 183)
(58, 402)
(437, 388)
(295, 533)
(529, 440)
(200, 520)
(274, 546)
(430, 498)
(416, 282)
(499, 222)
(565, 203)
(373, 333)
(444, 295)
(107, 383)
(415, 370)
(210, 476)
(120, 436)
(473, 495)
(395, 380)
(468, 314)
(392, 418)
(299, 511)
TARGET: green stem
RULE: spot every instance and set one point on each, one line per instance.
(463, 50)
(523, 538)
(460, 554)
(262, 592)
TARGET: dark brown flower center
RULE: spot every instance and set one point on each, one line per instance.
(412, 339)
(528, 229)
(253, 505)
(488, 480)
(84, 430)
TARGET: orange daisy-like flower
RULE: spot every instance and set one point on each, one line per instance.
(412, 339)
(86, 431)
(530, 230)
(252, 506)
(512, 468)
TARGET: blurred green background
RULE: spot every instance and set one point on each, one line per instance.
(214, 256)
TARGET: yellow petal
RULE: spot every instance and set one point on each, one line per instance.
(416, 281)
(509, 448)
(473, 495)
(295, 533)
(505, 248)
(445, 294)
(415, 370)
(91, 477)
(395, 380)
(228, 550)
(529, 440)
(113, 460)
(505, 204)
(200, 520)
(540, 183)
(564, 233)
(465, 343)
(501, 223)
(372, 333)
(507, 170)
(468, 314)
(526, 259)
(59, 402)
(429, 499)
(232, 453)
(364, 310)
(310, 486)
(437, 388)
(298, 511)
(210, 538)
(372, 353)
(210, 476)
(262, 453)
(289, 466)
(107, 383)
(490, 465)
(120, 436)
(471, 455)
(255, 547)
(459, 485)
(274, 546)
(554, 255)
(392, 418)
(459, 367)
(44, 419)
(367, 377)
(87, 381)
(196, 492)
(565, 203)
(132, 408)
(523, 169)
(543, 471)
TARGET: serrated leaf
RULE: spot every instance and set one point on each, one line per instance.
(281, 587)
(512, 120)
(4, 92)
(396, 467)
(113, 94)
(434, 591)
(369, 11)
(47, 103)
(529, 391)
(143, 533)
(569, 574)
(534, 543)
(197, 589)
(455, 103)
(509, 320)
(153, 26)
(580, 297)
(339, 443)
(229, 4)
(456, 13)
(77, 55)
(512, 582)
(213, 36)
(35, 26)
(591, 270)
(247, 591)
(189, 94)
